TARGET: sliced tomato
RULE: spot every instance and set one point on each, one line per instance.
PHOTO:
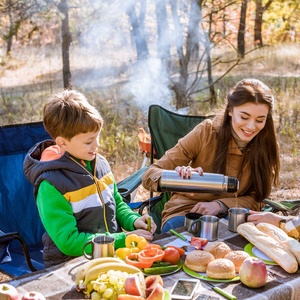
(198, 242)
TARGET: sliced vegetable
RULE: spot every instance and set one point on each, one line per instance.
(133, 259)
(198, 242)
(151, 255)
(154, 246)
(123, 252)
(160, 270)
(134, 240)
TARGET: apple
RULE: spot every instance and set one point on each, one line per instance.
(157, 293)
(33, 296)
(8, 292)
(135, 285)
(253, 272)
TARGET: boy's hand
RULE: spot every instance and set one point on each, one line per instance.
(142, 223)
(141, 232)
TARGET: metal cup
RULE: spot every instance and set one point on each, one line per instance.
(208, 227)
(102, 246)
(236, 216)
(188, 220)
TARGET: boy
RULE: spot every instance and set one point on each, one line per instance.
(75, 190)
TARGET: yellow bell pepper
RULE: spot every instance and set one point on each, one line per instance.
(123, 252)
(135, 241)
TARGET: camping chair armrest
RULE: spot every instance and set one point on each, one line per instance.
(129, 184)
(8, 237)
(286, 206)
(140, 206)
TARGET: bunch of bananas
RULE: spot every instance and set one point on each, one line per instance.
(89, 273)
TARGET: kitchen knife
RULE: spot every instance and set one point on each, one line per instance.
(221, 292)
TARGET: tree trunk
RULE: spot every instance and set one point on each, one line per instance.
(258, 24)
(212, 92)
(139, 39)
(242, 27)
(193, 31)
(66, 42)
(163, 37)
(259, 11)
(179, 87)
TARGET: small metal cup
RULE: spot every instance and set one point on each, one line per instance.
(208, 227)
(189, 219)
(236, 216)
(102, 246)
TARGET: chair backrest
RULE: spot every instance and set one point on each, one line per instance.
(167, 127)
(18, 211)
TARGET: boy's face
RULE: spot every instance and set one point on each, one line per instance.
(83, 145)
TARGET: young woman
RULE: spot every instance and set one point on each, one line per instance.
(239, 143)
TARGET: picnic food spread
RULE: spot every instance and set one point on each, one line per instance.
(268, 245)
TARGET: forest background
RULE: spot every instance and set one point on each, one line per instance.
(126, 55)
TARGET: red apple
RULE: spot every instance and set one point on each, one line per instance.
(135, 285)
(253, 272)
(8, 292)
(157, 293)
(33, 296)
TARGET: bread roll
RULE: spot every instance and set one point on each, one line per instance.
(269, 246)
(217, 249)
(280, 236)
(198, 260)
(237, 257)
(220, 268)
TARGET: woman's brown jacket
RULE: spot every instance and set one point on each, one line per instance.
(197, 149)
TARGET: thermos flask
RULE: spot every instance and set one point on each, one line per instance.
(207, 183)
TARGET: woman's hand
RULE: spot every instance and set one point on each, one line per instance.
(186, 172)
(267, 217)
(142, 223)
(207, 208)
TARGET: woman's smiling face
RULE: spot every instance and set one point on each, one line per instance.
(248, 119)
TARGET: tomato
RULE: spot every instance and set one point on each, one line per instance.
(198, 242)
(171, 255)
(180, 250)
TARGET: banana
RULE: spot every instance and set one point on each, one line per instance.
(93, 273)
(83, 269)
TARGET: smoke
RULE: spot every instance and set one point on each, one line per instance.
(109, 36)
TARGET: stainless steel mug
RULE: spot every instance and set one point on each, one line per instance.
(102, 246)
(236, 216)
(188, 220)
(209, 226)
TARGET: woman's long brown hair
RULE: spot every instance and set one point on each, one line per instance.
(263, 150)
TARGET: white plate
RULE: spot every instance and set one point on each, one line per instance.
(254, 252)
(260, 254)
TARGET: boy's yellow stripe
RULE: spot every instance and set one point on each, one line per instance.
(90, 190)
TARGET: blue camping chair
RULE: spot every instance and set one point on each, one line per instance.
(20, 227)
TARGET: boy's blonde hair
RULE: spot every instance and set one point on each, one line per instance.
(68, 113)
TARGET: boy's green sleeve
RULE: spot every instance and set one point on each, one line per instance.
(125, 215)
